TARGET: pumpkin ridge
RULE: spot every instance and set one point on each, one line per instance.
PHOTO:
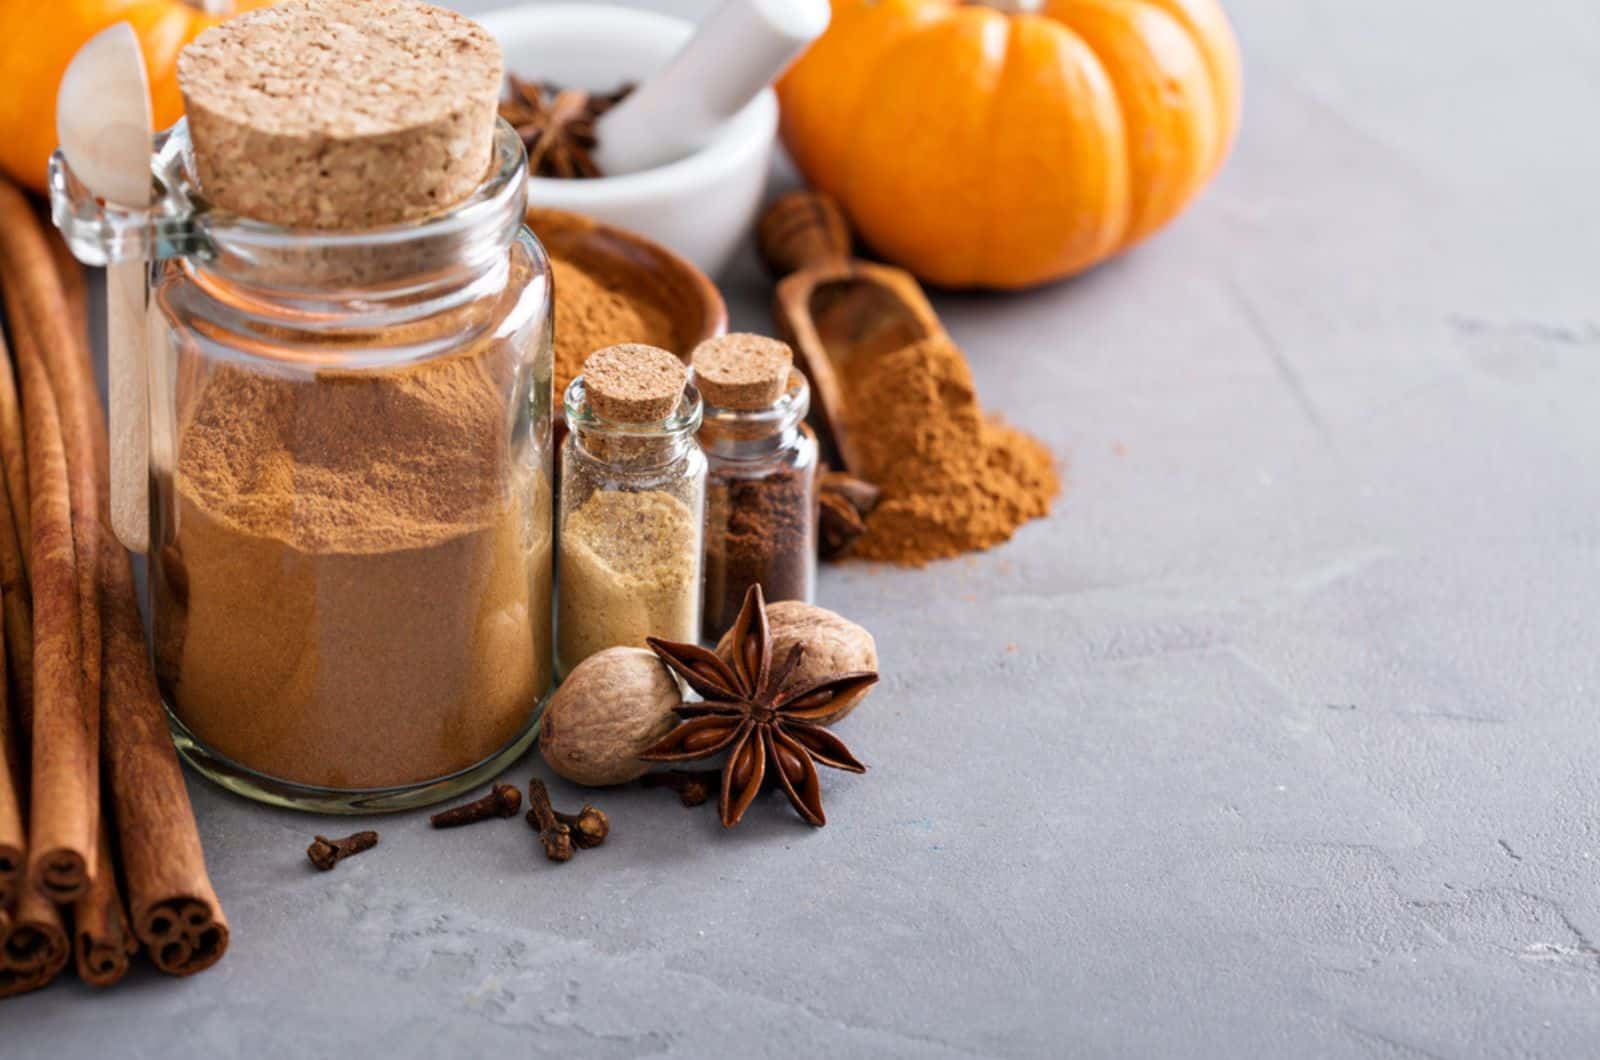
(1095, 196)
(1207, 26)
(1171, 119)
(900, 39)
(900, 189)
(812, 89)
(993, 207)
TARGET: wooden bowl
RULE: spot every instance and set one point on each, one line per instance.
(647, 269)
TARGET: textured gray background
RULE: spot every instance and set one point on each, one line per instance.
(1278, 739)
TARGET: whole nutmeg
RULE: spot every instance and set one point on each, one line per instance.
(834, 645)
(611, 707)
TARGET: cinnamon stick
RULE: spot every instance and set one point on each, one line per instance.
(13, 456)
(13, 840)
(16, 623)
(104, 944)
(74, 289)
(15, 601)
(171, 904)
(49, 359)
(36, 295)
(173, 907)
(37, 300)
(32, 939)
(35, 949)
(65, 802)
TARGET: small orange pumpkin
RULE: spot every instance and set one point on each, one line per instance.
(37, 40)
(1004, 143)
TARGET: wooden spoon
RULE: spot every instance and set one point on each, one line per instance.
(104, 123)
(834, 309)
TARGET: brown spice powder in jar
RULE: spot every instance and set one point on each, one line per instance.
(758, 530)
(358, 599)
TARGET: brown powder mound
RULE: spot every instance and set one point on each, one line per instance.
(348, 462)
(953, 479)
(591, 315)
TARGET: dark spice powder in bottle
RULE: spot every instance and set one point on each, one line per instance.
(761, 506)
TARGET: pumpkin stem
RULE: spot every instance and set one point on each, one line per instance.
(1012, 7)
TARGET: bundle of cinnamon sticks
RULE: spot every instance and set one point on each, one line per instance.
(93, 806)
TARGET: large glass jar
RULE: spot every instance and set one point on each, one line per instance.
(350, 483)
(632, 509)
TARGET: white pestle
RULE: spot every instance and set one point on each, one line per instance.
(738, 50)
(103, 121)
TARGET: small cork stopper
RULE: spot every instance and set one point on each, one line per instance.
(634, 383)
(341, 114)
(742, 372)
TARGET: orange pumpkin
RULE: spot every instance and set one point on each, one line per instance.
(37, 40)
(1003, 143)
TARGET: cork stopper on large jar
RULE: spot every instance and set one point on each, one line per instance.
(341, 114)
(742, 372)
(634, 383)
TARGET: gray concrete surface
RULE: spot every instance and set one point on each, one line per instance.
(1279, 739)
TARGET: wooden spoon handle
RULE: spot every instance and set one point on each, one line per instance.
(803, 229)
(130, 405)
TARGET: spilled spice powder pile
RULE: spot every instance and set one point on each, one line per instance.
(954, 480)
(592, 314)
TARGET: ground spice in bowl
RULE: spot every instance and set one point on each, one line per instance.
(592, 313)
(954, 479)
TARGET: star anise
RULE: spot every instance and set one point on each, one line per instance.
(751, 710)
(557, 125)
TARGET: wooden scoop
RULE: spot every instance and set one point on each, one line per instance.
(834, 309)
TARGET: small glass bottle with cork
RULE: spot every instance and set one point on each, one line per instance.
(761, 501)
(633, 484)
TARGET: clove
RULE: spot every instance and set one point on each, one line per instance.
(694, 787)
(503, 800)
(325, 853)
(589, 826)
(556, 836)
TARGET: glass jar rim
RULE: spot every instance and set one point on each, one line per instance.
(582, 418)
(182, 223)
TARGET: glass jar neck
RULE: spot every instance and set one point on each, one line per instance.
(756, 434)
(633, 446)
